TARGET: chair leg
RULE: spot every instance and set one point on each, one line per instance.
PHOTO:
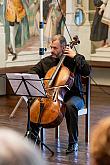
(41, 134)
(87, 128)
(57, 132)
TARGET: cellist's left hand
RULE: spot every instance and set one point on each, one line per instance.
(69, 52)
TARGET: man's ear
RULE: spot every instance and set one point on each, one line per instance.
(63, 48)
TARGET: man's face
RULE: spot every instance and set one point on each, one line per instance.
(56, 48)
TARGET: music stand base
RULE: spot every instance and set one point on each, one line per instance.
(37, 140)
(43, 144)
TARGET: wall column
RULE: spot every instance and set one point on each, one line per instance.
(83, 31)
(69, 19)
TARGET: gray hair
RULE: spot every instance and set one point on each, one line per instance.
(61, 39)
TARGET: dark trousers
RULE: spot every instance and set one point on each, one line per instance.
(72, 106)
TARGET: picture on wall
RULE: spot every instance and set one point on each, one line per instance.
(21, 21)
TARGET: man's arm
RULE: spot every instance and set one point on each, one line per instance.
(37, 69)
(82, 66)
(77, 62)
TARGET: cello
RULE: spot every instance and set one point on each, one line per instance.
(49, 112)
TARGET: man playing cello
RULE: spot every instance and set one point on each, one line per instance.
(73, 99)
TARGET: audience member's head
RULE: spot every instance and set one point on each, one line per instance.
(17, 150)
(100, 143)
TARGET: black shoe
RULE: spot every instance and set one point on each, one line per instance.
(72, 148)
(14, 56)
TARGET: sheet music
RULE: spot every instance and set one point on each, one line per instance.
(33, 83)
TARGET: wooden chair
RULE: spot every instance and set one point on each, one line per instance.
(85, 111)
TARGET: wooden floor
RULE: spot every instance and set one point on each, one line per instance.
(100, 107)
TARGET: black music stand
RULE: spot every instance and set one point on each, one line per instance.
(31, 86)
